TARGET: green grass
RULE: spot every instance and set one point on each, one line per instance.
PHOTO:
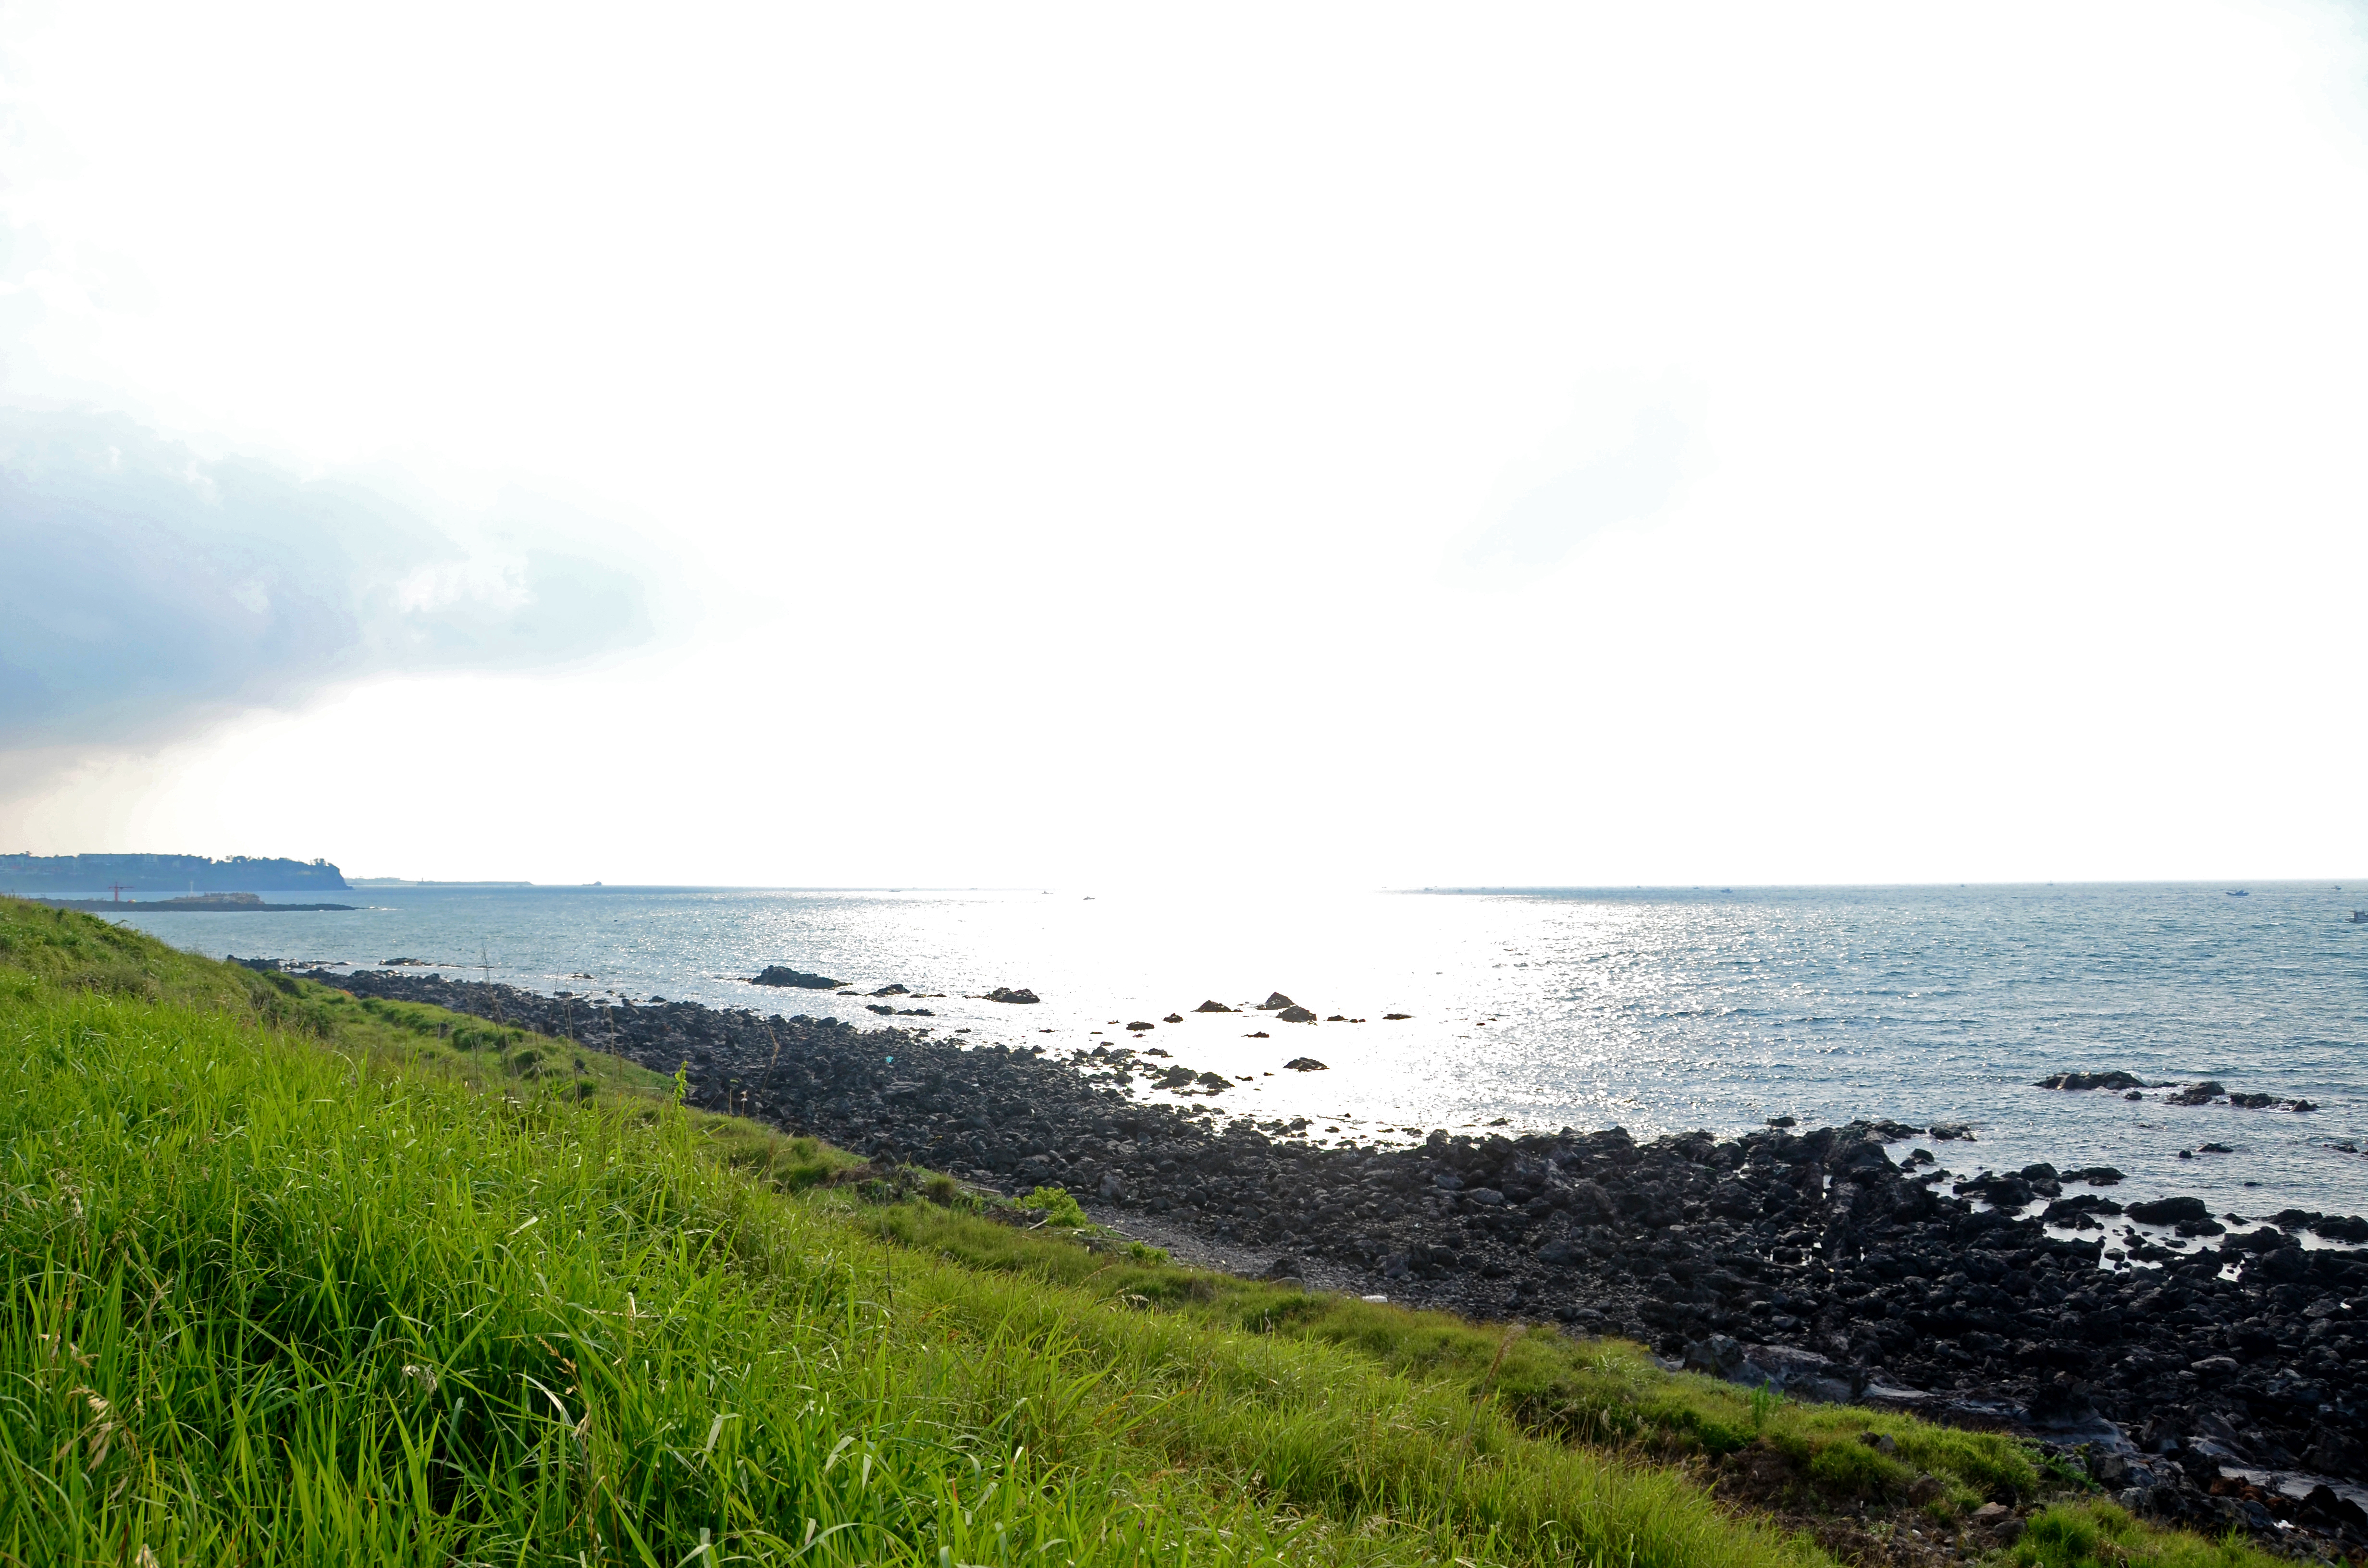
(290, 1277)
(1600, 1392)
(2099, 1535)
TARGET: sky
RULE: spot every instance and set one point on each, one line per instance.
(1368, 446)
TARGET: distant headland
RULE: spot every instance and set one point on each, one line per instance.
(164, 875)
(204, 901)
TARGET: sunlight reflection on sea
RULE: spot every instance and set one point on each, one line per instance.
(1657, 1009)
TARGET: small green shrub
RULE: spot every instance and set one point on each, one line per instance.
(1058, 1207)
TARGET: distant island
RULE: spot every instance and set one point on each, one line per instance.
(164, 875)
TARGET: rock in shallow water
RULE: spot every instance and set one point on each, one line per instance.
(782, 974)
(2169, 1211)
(2115, 1079)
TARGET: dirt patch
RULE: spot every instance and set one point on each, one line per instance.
(1763, 1482)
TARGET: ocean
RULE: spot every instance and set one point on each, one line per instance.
(1657, 1009)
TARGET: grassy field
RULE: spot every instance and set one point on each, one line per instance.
(293, 1277)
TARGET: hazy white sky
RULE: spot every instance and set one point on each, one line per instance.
(900, 445)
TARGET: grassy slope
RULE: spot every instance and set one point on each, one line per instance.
(285, 1283)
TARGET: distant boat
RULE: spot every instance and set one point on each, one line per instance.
(2360, 917)
(2239, 892)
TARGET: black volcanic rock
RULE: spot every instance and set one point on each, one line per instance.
(2095, 1176)
(781, 974)
(2115, 1079)
(2168, 1210)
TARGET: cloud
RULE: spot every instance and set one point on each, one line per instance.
(1633, 483)
(149, 590)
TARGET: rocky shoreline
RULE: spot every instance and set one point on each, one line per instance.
(2222, 1387)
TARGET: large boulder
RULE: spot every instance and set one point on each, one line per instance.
(1717, 1357)
(1589, 1201)
(1863, 1153)
(2286, 1266)
(782, 974)
(1295, 1015)
(1212, 1007)
(2115, 1079)
(1275, 1000)
(1010, 993)
(2169, 1211)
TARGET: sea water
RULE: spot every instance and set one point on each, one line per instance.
(1655, 1009)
